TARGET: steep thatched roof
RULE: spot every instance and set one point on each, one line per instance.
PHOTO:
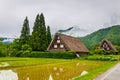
(110, 44)
(72, 43)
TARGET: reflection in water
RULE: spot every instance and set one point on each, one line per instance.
(28, 78)
(8, 75)
(4, 64)
(50, 77)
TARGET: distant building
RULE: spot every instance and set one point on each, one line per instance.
(107, 46)
(62, 42)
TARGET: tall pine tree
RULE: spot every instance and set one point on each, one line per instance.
(25, 33)
(39, 34)
(35, 39)
(48, 36)
(42, 35)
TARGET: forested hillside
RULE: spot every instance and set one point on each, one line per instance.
(94, 39)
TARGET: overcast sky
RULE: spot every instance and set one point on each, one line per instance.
(90, 15)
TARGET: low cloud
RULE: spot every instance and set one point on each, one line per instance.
(59, 14)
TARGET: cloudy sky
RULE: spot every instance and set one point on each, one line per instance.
(89, 15)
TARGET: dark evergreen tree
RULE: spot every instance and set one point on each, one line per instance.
(48, 36)
(25, 33)
(39, 34)
(35, 39)
(42, 34)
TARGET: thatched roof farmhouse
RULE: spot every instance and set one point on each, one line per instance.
(62, 42)
(107, 46)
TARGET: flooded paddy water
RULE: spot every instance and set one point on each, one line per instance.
(63, 70)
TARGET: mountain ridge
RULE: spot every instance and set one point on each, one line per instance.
(75, 31)
(94, 39)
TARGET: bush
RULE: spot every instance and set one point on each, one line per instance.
(103, 52)
(111, 52)
(3, 51)
(26, 50)
(114, 59)
(25, 53)
(92, 52)
(19, 53)
(101, 58)
(2, 54)
(100, 51)
(60, 55)
(118, 49)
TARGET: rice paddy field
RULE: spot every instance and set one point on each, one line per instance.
(56, 69)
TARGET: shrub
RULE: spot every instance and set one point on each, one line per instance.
(19, 53)
(114, 59)
(111, 52)
(26, 50)
(3, 51)
(103, 52)
(92, 52)
(102, 57)
(60, 55)
(118, 49)
(100, 51)
(2, 54)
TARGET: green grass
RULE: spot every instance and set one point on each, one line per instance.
(29, 61)
(41, 68)
(101, 57)
(96, 72)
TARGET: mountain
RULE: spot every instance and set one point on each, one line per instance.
(75, 31)
(94, 39)
(6, 40)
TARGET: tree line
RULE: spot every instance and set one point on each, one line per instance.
(38, 40)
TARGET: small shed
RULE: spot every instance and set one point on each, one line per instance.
(62, 42)
(107, 46)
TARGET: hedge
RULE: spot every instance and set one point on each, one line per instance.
(60, 55)
(101, 57)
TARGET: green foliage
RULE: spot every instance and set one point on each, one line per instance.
(111, 52)
(1, 39)
(102, 57)
(111, 33)
(35, 40)
(39, 34)
(118, 49)
(25, 33)
(25, 51)
(23, 40)
(16, 47)
(91, 75)
(26, 47)
(23, 46)
(103, 52)
(5, 50)
(2, 54)
(49, 38)
(60, 55)
(100, 51)
(43, 34)
(20, 50)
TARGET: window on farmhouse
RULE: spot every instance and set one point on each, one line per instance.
(55, 46)
(58, 37)
(108, 48)
(61, 46)
(58, 41)
(103, 45)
